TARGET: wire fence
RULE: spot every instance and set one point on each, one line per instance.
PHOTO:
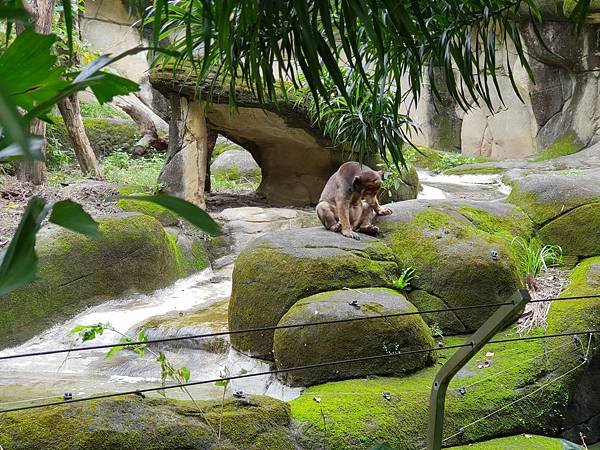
(590, 333)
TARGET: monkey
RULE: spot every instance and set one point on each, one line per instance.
(349, 200)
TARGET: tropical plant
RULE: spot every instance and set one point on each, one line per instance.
(534, 257)
(383, 45)
(402, 283)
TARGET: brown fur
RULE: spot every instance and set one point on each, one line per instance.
(349, 200)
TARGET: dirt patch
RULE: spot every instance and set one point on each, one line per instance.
(98, 198)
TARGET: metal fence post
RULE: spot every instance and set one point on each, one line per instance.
(503, 316)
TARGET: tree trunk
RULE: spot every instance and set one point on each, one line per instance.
(71, 114)
(146, 121)
(40, 13)
(211, 140)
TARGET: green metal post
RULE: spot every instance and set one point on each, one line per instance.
(503, 316)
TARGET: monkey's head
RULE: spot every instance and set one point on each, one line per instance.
(367, 183)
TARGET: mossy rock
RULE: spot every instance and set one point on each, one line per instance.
(105, 135)
(132, 423)
(408, 188)
(583, 415)
(545, 196)
(190, 251)
(76, 272)
(520, 442)
(276, 270)
(475, 169)
(200, 320)
(353, 414)
(302, 346)
(577, 231)
(448, 322)
(451, 246)
(540, 387)
(162, 214)
(563, 146)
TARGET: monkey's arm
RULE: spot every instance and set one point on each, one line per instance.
(342, 204)
(379, 210)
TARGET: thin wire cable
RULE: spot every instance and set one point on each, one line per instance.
(273, 328)
(585, 360)
(248, 330)
(236, 377)
(557, 299)
(494, 375)
(290, 369)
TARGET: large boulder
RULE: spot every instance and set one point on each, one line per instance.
(540, 387)
(295, 157)
(133, 423)
(294, 347)
(583, 412)
(276, 270)
(460, 252)
(235, 163)
(564, 205)
(76, 272)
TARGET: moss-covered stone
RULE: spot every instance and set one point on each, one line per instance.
(520, 442)
(301, 346)
(538, 387)
(204, 319)
(565, 145)
(277, 269)
(474, 169)
(76, 272)
(545, 196)
(132, 423)
(509, 222)
(105, 135)
(583, 413)
(452, 258)
(357, 416)
(577, 231)
(403, 187)
(162, 214)
(447, 321)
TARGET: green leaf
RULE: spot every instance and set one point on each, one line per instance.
(19, 264)
(184, 373)
(184, 209)
(68, 22)
(222, 383)
(71, 215)
(15, 151)
(107, 86)
(13, 126)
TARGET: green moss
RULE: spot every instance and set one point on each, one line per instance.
(521, 442)
(505, 225)
(357, 415)
(475, 170)
(105, 135)
(447, 321)
(577, 231)
(452, 260)
(268, 281)
(295, 347)
(528, 202)
(199, 254)
(563, 146)
(164, 216)
(424, 158)
(130, 423)
(75, 272)
(569, 5)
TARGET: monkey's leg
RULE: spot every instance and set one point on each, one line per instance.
(327, 215)
(365, 221)
(343, 212)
